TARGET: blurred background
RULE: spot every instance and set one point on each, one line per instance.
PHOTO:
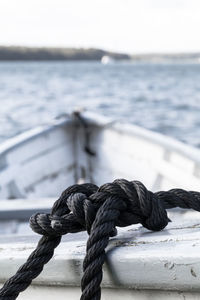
(137, 61)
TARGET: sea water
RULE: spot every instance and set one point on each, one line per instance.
(161, 97)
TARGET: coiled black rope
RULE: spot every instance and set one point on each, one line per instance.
(99, 211)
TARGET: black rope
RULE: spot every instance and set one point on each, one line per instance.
(99, 211)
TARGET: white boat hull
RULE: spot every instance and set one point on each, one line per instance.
(62, 293)
(36, 166)
(44, 161)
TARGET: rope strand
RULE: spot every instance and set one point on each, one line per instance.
(99, 211)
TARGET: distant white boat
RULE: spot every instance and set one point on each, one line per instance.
(37, 165)
(106, 60)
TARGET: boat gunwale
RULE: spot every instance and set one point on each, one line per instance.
(31, 134)
(167, 142)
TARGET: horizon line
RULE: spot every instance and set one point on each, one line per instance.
(182, 52)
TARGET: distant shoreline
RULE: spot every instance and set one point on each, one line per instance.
(56, 54)
(17, 53)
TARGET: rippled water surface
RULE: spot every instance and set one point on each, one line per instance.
(160, 97)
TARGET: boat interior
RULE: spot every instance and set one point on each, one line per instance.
(36, 166)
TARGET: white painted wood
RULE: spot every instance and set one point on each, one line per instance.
(15, 214)
(141, 264)
(49, 159)
(23, 204)
(135, 153)
(38, 292)
(17, 206)
(38, 163)
(136, 259)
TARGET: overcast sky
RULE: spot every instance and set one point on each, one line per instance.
(133, 26)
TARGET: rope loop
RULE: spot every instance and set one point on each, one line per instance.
(98, 211)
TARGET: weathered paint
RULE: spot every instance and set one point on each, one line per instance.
(136, 259)
(37, 292)
(140, 264)
(50, 158)
(40, 165)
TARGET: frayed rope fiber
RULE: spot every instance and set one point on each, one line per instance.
(99, 211)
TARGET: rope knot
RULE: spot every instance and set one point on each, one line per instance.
(77, 208)
(71, 213)
(99, 211)
(143, 206)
